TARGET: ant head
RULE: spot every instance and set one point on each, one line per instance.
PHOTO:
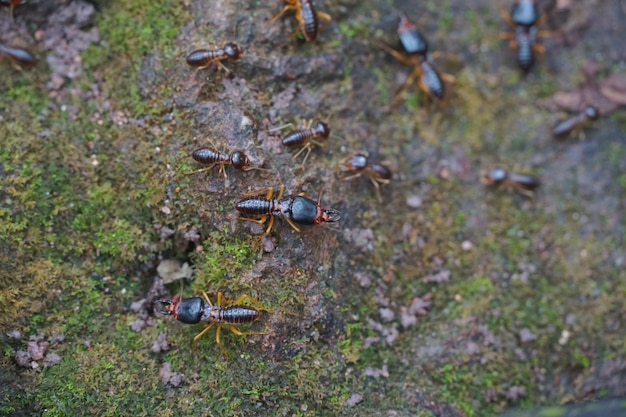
(331, 215)
(233, 50)
(356, 162)
(167, 306)
(323, 129)
(496, 176)
(592, 112)
(240, 160)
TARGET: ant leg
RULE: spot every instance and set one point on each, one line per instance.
(539, 48)
(221, 300)
(252, 301)
(240, 333)
(217, 339)
(201, 170)
(506, 15)
(194, 343)
(292, 224)
(326, 17)
(282, 12)
(350, 177)
(397, 55)
(308, 148)
(410, 80)
(268, 190)
(206, 297)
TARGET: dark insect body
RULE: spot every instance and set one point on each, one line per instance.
(196, 309)
(307, 17)
(202, 58)
(20, 57)
(295, 210)
(306, 137)
(566, 127)
(525, 184)
(429, 80)
(524, 17)
(359, 164)
(237, 159)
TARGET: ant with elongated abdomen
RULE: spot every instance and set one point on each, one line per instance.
(566, 127)
(223, 313)
(359, 164)
(295, 210)
(307, 17)
(524, 17)
(429, 79)
(525, 184)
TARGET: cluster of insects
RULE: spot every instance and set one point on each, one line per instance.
(295, 210)
(264, 205)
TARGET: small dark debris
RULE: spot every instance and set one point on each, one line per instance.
(160, 345)
(51, 359)
(37, 349)
(354, 400)
(515, 392)
(138, 325)
(364, 279)
(386, 314)
(525, 336)
(169, 377)
(23, 359)
(361, 238)
(377, 373)
(14, 334)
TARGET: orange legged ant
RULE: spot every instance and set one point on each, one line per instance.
(564, 128)
(307, 17)
(429, 80)
(202, 58)
(295, 210)
(195, 309)
(359, 164)
(525, 184)
(524, 17)
(20, 57)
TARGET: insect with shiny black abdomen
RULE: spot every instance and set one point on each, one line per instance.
(524, 17)
(429, 79)
(20, 57)
(295, 210)
(566, 127)
(223, 313)
(202, 58)
(307, 17)
(359, 164)
(525, 184)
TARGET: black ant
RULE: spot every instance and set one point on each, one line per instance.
(195, 309)
(202, 58)
(295, 210)
(359, 164)
(524, 17)
(307, 17)
(305, 137)
(525, 184)
(430, 81)
(20, 57)
(564, 128)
